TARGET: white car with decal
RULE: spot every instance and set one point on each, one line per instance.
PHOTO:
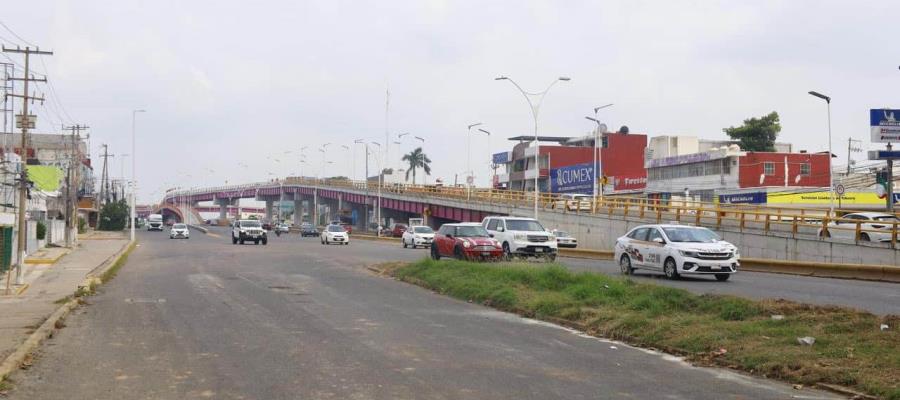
(677, 250)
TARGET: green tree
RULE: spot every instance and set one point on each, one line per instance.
(417, 159)
(756, 134)
(114, 216)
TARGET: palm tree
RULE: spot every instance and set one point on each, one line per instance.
(417, 159)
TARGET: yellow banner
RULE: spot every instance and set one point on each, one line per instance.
(858, 198)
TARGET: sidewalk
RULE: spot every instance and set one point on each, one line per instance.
(22, 313)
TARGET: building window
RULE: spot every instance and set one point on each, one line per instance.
(769, 168)
(804, 169)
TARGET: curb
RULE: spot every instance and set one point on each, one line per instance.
(46, 260)
(374, 238)
(48, 327)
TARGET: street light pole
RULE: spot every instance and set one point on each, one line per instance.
(380, 184)
(535, 110)
(598, 158)
(830, 174)
(424, 175)
(133, 164)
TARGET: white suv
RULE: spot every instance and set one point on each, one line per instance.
(249, 230)
(522, 237)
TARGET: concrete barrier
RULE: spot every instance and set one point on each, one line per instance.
(199, 228)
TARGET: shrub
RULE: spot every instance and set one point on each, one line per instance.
(113, 216)
(41, 230)
(82, 225)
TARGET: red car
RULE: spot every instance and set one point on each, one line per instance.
(466, 241)
(348, 228)
(395, 230)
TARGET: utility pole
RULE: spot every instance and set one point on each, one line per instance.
(26, 122)
(72, 179)
(104, 177)
(890, 183)
(851, 149)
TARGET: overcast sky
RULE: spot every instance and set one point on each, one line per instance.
(229, 82)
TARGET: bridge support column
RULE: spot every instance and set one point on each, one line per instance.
(298, 210)
(223, 209)
(269, 204)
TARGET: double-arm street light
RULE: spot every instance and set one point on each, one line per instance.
(597, 134)
(830, 175)
(535, 110)
(488, 133)
(133, 163)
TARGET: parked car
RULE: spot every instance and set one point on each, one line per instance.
(465, 241)
(179, 231)
(248, 230)
(564, 239)
(396, 230)
(307, 229)
(267, 226)
(417, 235)
(875, 227)
(334, 234)
(677, 250)
(522, 237)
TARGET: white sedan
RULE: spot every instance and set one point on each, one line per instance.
(179, 231)
(417, 235)
(677, 250)
(334, 234)
(874, 227)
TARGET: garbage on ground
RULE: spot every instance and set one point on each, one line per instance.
(613, 347)
(884, 327)
(806, 340)
(720, 352)
(777, 317)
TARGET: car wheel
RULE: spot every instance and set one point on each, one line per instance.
(241, 241)
(256, 242)
(457, 253)
(722, 277)
(233, 240)
(670, 269)
(864, 237)
(625, 265)
(507, 254)
(435, 255)
(404, 242)
(265, 242)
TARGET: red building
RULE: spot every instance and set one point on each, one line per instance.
(567, 166)
(759, 169)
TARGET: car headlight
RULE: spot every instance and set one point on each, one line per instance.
(688, 253)
(466, 244)
(520, 236)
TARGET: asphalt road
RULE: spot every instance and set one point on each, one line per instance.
(202, 318)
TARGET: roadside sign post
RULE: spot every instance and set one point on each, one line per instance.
(888, 155)
(886, 129)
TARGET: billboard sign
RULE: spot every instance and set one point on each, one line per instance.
(885, 125)
(743, 198)
(501, 158)
(629, 182)
(576, 178)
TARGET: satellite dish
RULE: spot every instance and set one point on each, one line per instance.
(603, 128)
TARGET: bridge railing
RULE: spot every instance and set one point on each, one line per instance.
(795, 221)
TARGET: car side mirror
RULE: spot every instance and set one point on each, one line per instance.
(491, 234)
(449, 236)
(659, 240)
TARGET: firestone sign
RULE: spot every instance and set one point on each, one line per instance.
(577, 178)
(885, 125)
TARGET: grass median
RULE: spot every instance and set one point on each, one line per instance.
(850, 347)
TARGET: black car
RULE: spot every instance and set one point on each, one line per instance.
(308, 230)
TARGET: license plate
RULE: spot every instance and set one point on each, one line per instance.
(715, 267)
(485, 253)
(539, 250)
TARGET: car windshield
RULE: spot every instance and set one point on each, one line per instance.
(471, 231)
(335, 228)
(523, 225)
(179, 226)
(423, 229)
(691, 235)
(250, 224)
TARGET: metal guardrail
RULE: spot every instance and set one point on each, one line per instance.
(714, 215)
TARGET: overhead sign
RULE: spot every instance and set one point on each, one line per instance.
(743, 198)
(577, 178)
(885, 125)
(884, 155)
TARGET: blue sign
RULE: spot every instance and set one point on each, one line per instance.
(743, 198)
(501, 158)
(885, 125)
(885, 155)
(577, 178)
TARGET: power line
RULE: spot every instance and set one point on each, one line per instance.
(16, 35)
